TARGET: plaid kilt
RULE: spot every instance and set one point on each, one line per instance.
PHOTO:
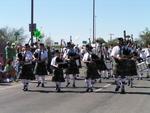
(40, 69)
(72, 67)
(92, 71)
(125, 67)
(58, 76)
(27, 72)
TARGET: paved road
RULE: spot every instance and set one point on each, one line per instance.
(75, 100)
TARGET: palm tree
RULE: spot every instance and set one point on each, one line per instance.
(145, 37)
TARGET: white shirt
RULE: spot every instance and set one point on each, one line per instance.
(147, 52)
(115, 51)
(85, 57)
(53, 62)
(28, 56)
(142, 55)
(44, 53)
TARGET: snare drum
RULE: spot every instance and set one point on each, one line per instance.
(148, 60)
(108, 64)
(142, 66)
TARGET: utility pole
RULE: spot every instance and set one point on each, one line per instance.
(94, 26)
(111, 35)
(71, 39)
(32, 19)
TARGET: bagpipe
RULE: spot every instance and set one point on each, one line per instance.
(61, 63)
(126, 65)
(74, 57)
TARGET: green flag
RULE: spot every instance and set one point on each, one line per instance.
(37, 34)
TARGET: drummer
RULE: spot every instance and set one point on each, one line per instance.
(147, 53)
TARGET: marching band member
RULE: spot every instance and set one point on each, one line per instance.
(71, 56)
(92, 72)
(116, 54)
(57, 64)
(27, 72)
(147, 53)
(101, 53)
(123, 64)
(41, 57)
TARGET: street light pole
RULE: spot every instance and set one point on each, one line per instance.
(94, 22)
(32, 19)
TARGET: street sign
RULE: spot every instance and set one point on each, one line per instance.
(32, 27)
(84, 42)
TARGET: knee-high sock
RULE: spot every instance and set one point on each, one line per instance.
(41, 79)
(68, 78)
(25, 82)
(74, 79)
(89, 83)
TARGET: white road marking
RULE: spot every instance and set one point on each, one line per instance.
(102, 88)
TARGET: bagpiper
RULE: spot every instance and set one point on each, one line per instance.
(41, 57)
(71, 56)
(90, 60)
(57, 63)
(26, 63)
(123, 64)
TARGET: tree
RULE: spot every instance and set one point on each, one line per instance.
(112, 42)
(11, 34)
(145, 37)
(100, 40)
(48, 41)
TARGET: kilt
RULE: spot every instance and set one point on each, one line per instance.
(101, 65)
(125, 67)
(58, 76)
(41, 69)
(27, 72)
(92, 72)
(72, 67)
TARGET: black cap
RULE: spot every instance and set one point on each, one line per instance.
(41, 44)
(89, 46)
(120, 39)
(57, 51)
(27, 45)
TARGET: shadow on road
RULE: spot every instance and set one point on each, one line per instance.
(135, 93)
(141, 87)
(43, 91)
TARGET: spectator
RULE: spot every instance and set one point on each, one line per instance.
(8, 52)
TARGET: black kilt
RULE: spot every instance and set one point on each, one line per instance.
(101, 65)
(92, 72)
(41, 69)
(125, 67)
(27, 72)
(72, 67)
(58, 76)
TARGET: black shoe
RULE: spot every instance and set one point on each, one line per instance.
(38, 84)
(58, 89)
(123, 91)
(91, 90)
(25, 88)
(100, 81)
(117, 88)
(74, 86)
(129, 82)
(68, 84)
(88, 89)
(42, 85)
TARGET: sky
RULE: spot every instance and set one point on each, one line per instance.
(61, 19)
